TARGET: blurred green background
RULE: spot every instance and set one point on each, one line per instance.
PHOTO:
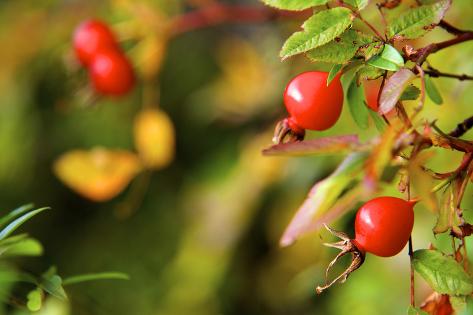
(201, 236)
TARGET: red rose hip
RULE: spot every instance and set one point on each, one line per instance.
(90, 37)
(311, 103)
(383, 225)
(111, 73)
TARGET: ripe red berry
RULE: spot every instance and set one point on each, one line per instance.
(90, 37)
(311, 103)
(371, 94)
(111, 73)
(383, 225)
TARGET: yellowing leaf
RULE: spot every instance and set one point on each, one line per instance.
(154, 138)
(422, 181)
(149, 55)
(98, 174)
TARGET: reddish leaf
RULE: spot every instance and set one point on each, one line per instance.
(393, 90)
(437, 304)
(321, 205)
(327, 145)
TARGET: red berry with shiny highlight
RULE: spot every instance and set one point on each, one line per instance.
(111, 73)
(383, 225)
(311, 103)
(90, 37)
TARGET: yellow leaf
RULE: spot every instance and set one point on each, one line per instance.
(98, 174)
(154, 138)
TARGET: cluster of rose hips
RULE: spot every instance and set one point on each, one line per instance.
(383, 225)
(97, 49)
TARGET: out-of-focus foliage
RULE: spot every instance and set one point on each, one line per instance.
(200, 235)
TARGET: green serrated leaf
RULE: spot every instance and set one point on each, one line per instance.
(415, 22)
(432, 91)
(415, 311)
(359, 4)
(96, 276)
(320, 29)
(442, 273)
(333, 73)
(341, 49)
(378, 121)
(369, 72)
(411, 93)
(370, 50)
(34, 300)
(294, 5)
(356, 103)
(10, 228)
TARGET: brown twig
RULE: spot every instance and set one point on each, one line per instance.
(434, 73)
(219, 13)
(462, 128)
(450, 28)
(421, 55)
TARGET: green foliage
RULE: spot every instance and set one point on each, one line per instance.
(389, 59)
(432, 91)
(342, 49)
(416, 22)
(411, 93)
(294, 5)
(333, 73)
(359, 4)
(319, 29)
(415, 311)
(356, 102)
(95, 276)
(442, 272)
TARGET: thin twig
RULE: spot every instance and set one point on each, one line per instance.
(450, 28)
(462, 128)
(219, 13)
(434, 73)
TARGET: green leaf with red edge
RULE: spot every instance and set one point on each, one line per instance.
(357, 104)
(416, 22)
(393, 90)
(442, 273)
(320, 205)
(415, 311)
(326, 145)
(294, 5)
(342, 49)
(320, 29)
